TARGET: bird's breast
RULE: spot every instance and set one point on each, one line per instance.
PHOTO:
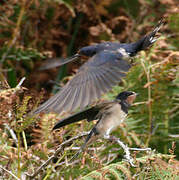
(110, 120)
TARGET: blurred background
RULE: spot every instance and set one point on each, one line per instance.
(36, 34)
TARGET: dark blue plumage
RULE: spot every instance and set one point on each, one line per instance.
(106, 66)
(130, 48)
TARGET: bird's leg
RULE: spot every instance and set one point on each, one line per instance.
(125, 148)
(76, 155)
(84, 145)
(80, 150)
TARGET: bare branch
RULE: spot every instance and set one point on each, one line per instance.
(9, 172)
(140, 149)
(20, 83)
(126, 149)
(12, 133)
(56, 154)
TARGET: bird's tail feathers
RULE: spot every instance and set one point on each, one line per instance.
(151, 38)
(147, 40)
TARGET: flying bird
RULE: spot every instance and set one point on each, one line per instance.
(109, 116)
(107, 65)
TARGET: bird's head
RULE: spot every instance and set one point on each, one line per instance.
(128, 96)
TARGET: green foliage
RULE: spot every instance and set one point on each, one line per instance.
(147, 164)
(10, 58)
(174, 24)
(21, 54)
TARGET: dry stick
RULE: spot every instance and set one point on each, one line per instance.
(140, 149)
(12, 133)
(147, 72)
(20, 83)
(56, 154)
(174, 135)
(9, 172)
(126, 149)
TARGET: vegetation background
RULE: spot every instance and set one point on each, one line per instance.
(31, 32)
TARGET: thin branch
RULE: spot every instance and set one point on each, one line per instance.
(174, 135)
(127, 156)
(56, 154)
(126, 149)
(69, 164)
(20, 83)
(139, 103)
(13, 90)
(78, 148)
(12, 133)
(9, 172)
(140, 149)
(147, 72)
(165, 61)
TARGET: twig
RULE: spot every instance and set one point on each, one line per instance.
(140, 149)
(13, 90)
(20, 83)
(9, 172)
(165, 61)
(12, 133)
(126, 149)
(174, 135)
(11, 44)
(139, 103)
(147, 72)
(78, 148)
(55, 154)
(69, 164)
(127, 156)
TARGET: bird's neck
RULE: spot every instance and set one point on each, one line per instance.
(125, 106)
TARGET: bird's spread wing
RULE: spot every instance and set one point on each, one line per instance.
(95, 77)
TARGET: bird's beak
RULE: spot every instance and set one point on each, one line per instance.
(131, 98)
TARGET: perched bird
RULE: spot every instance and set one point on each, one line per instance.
(107, 64)
(109, 116)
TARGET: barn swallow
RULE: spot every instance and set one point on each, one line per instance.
(109, 116)
(107, 65)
